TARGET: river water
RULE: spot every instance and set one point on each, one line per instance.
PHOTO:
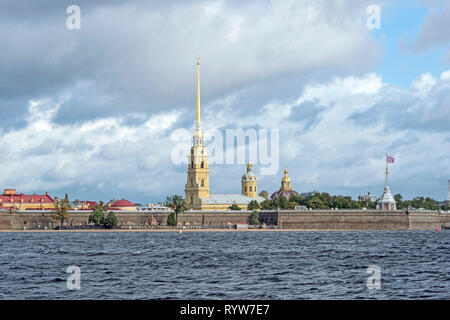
(225, 265)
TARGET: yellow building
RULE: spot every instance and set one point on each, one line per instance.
(197, 195)
(11, 200)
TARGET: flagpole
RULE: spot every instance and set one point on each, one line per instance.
(387, 170)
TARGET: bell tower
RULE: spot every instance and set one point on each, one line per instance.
(249, 183)
(286, 182)
(197, 185)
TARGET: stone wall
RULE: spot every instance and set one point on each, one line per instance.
(361, 220)
(285, 219)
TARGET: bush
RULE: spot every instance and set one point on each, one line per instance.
(110, 220)
(253, 205)
(234, 206)
(254, 219)
(172, 219)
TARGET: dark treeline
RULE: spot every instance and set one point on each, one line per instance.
(326, 201)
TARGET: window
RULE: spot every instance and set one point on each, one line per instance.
(202, 165)
(245, 189)
(192, 182)
(192, 164)
(192, 200)
(250, 188)
(203, 183)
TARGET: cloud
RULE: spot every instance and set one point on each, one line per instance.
(45, 155)
(433, 31)
(91, 111)
(334, 135)
(139, 56)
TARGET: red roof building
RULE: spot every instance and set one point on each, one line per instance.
(19, 201)
(122, 204)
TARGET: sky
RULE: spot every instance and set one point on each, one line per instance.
(92, 112)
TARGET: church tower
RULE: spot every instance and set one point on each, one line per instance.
(197, 185)
(249, 183)
(286, 182)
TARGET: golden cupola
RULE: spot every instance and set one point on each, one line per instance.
(285, 189)
(249, 183)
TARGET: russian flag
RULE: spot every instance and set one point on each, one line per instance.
(390, 159)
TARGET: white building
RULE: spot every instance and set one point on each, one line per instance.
(386, 201)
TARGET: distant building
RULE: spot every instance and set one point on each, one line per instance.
(154, 207)
(11, 200)
(305, 194)
(367, 197)
(285, 189)
(122, 204)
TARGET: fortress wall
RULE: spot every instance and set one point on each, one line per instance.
(217, 218)
(428, 221)
(343, 220)
(5, 221)
(41, 220)
(361, 220)
(286, 219)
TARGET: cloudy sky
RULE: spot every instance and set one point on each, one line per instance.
(92, 112)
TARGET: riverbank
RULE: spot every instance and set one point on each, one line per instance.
(200, 230)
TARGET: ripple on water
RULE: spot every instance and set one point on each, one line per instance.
(225, 265)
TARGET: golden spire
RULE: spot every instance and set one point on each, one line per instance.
(286, 182)
(249, 167)
(197, 115)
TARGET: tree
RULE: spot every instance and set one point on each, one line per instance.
(172, 219)
(252, 205)
(234, 206)
(264, 194)
(62, 208)
(98, 214)
(254, 218)
(267, 205)
(110, 220)
(177, 203)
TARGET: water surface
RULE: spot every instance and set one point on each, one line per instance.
(225, 265)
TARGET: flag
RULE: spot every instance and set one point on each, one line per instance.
(389, 159)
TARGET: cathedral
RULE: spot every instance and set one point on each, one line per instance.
(285, 189)
(197, 195)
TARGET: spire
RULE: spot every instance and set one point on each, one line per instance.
(387, 173)
(249, 167)
(286, 182)
(197, 115)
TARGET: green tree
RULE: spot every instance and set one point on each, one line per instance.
(254, 218)
(110, 220)
(98, 214)
(267, 205)
(252, 205)
(62, 208)
(264, 194)
(177, 203)
(172, 219)
(234, 206)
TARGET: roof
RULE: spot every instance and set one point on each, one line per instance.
(90, 204)
(283, 193)
(16, 198)
(123, 203)
(226, 198)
